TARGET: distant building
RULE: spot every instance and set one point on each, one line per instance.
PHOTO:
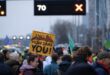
(108, 20)
(98, 20)
(85, 20)
(92, 14)
(101, 10)
(98, 13)
(108, 14)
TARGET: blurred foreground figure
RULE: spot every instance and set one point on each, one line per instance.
(81, 63)
(4, 69)
(102, 66)
(13, 62)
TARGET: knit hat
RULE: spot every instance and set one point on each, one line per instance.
(103, 55)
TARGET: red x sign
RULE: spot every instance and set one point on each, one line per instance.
(79, 7)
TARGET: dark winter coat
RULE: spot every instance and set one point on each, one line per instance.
(14, 66)
(64, 66)
(5, 69)
(100, 69)
(81, 69)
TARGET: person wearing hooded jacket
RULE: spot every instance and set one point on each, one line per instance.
(29, 66)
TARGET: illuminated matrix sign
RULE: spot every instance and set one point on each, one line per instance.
(59, 7)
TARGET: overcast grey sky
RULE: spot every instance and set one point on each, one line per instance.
(20, 19)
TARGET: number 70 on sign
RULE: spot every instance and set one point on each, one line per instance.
(41, 7)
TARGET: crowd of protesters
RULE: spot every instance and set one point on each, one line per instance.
(81, 62)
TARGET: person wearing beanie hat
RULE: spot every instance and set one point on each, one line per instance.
(103, 55)
(102, 65)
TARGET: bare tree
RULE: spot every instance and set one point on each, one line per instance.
(61, 29)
